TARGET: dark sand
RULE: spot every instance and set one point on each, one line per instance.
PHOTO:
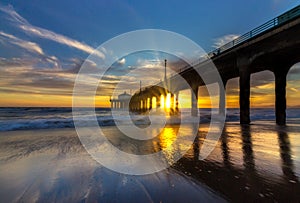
(260, 162)
(252, 163)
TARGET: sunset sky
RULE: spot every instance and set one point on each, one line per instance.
(43, 44)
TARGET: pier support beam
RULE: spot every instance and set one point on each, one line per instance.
(222, 100)
(244, 96)
(158, 102)
(150, 103)
(176, 102)
(145, 104)
(172, 107)
(194, 99)
(280, 96)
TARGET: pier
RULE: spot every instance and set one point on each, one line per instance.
(273, 46)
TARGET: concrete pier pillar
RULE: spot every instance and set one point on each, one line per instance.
(194, 99)
(157, 102)
(150, 103)
(145, 104)
(176, 102)
(280, 96)
(222, 100)
(244, 96)
(172, 107)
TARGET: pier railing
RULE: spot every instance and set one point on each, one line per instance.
(271, 24)
(277, 21)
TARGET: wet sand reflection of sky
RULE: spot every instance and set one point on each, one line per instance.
(259, 161)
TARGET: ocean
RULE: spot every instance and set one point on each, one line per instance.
(43, 160)
(29, 118)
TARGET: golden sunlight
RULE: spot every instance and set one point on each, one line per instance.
(167, 137)
(174, 101)
(184, 99)
(162, 101)
(168, 101)
(148, 103)
(154, 102)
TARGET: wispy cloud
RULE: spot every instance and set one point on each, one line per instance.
(293, 89)
(32, 30)
(20, 75)
(29, 46)
(224, 39)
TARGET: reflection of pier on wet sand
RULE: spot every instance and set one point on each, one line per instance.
(256, 162)
(255, 171)
(52, 166)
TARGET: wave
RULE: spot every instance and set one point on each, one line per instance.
(50, 118)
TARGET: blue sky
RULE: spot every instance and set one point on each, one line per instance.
(51, 38)
(93, 22)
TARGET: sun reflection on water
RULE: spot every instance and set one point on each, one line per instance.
(167, 137)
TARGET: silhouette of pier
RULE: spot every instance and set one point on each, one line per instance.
(273, 46)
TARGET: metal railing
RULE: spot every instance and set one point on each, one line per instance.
(277, 21)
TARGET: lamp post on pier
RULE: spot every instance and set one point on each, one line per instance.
(165, 70)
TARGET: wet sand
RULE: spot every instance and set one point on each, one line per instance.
(52, 166)
(259, 162)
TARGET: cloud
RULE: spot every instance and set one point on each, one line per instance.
(20, 77)
(29, 46)
(263, 80)
(16, 62)
(122, 61)
(224, 40)
(293, 89)
(138, 68)
(32, 30)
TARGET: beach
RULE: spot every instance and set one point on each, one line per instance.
(258, 162)
(52, 166)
